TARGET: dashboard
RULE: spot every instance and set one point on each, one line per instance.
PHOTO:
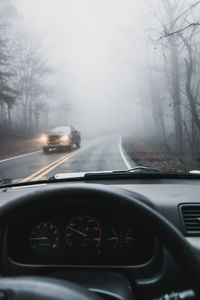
(61, 236)
(76, 236)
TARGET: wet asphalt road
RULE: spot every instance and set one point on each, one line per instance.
(103, 154)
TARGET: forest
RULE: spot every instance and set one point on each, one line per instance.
(168, 76)
(24, 75)
(172, 88)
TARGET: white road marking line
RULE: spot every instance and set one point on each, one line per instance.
(122, 154)
(19, 156)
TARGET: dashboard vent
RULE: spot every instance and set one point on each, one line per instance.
(191, 219)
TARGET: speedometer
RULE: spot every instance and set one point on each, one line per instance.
(44, 235)
(83, 232)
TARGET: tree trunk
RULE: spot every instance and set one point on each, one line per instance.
(30, 116)
(175, 82)
(9, 116)
(25, 117)
(157, 109)
(188, 85)
(176, 97)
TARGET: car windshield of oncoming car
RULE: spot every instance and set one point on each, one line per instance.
(66, 130)
(98, 85)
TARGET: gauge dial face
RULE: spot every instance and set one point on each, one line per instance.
(129, 238)
(44, 235)
(84, 232)
(113, 238)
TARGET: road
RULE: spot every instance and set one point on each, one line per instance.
(103, 154)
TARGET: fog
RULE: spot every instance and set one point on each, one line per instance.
(96, 49)
(126, 67)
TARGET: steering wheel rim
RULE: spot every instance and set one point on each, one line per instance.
(124, 201)
(39, 288)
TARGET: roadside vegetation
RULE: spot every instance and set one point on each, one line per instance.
(147, 153)
(16, 143)
(25, 75)
(171, 89)
(167, 91)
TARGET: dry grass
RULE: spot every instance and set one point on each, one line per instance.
(146, 153)
(12, 145)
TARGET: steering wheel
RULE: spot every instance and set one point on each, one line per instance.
(134, 204)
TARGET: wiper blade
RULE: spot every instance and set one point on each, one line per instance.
(59, 176)
(138, 169)
(79, 175)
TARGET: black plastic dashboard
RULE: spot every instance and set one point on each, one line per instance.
(151, 268)
(79, 236)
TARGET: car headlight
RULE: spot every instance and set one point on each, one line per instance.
(43, 138)
(65, 138)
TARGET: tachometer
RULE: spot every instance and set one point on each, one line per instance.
(83, 232)
(44, 235)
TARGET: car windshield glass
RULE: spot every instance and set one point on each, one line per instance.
(98, 85)
(61, 130)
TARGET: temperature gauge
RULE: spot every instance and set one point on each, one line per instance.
(113, 238)
(129, 238)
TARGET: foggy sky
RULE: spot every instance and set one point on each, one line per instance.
(97, 48)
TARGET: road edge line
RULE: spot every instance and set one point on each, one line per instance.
(123, 155)
(19, 156)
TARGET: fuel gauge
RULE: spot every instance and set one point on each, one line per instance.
(113, 238)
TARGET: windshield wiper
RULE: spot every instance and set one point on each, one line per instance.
(135, 170)
(138, 169)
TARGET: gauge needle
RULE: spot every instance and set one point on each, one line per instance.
(77, 231)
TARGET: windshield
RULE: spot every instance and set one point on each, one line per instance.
(60, 130)
(121, 76)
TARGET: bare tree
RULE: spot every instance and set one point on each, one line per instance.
(32, 73)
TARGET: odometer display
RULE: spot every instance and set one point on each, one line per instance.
(83, 232)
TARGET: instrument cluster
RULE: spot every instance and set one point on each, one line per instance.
(77, 239)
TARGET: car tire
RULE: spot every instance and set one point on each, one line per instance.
(45, 150)
(78, 145)
(70, 148)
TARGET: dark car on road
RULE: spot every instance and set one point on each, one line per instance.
(65, 138)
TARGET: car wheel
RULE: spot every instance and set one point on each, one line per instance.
(45, 149)
(70, 148)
